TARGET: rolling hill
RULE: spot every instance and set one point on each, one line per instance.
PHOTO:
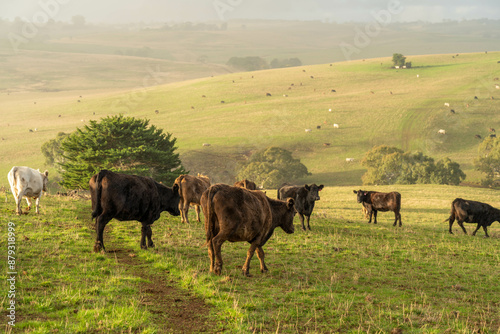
(371, 102)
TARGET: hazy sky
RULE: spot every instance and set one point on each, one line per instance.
(122, 11)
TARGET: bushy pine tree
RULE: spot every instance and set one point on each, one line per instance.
(120, 144)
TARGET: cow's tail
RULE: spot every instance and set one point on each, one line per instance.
(211, 218)
(453, 212)
(97, 210)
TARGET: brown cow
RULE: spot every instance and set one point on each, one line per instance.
(246, 184)
(129, 197)
(190, 189)
(375, 201)
(238, 214)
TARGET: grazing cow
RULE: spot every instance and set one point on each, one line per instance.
(308, 130)
(190, 189)
(442, 132)
(349, 159)
(375, 201)
(129, 197)
(246, 184)
(29, 183)
(305, 198)
(238, 214)
(465, 211)
(446, 104)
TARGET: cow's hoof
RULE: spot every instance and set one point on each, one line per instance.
(217, 270)
(246, 273)
(264, 271)
(98, 247)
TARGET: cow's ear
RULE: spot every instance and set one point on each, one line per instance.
(365, 193)
(307, 187)
(46, 173)
(289, 203)
(321, 187)
(175, 187)
(354, 191)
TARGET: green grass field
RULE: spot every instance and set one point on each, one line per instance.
(344, 276)
(362, 104)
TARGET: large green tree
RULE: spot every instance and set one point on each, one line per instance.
(390, 165)
(488, 160)
(398, 59)
(272, 167)
(121, 144)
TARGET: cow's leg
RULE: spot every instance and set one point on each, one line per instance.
(146, 232)
(37, 205)
(197, 209)
(370, 212)
(461, 224)
(217, 242)
(308, 226)
(211, 255)
(396, 216)
(101, 222)
(250, 252)
(301, 217)
(29, 202)
(149, 234)
(260, 255)
(452, 220)
(374, 216)
(181, 209)
(478, 227)
(19, 198)
(185, 210)
(485, 231)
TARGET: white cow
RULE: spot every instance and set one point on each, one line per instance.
(29, 183)
(442, 132)
(336, 126)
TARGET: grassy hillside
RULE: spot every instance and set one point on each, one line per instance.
(372, 103)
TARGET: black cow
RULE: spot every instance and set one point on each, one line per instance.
(465, 211)
(375, 201)
(130, 197)
(304, 197)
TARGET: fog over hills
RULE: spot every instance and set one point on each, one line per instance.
(125, 11)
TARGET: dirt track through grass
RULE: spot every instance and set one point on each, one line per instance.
(173, 310)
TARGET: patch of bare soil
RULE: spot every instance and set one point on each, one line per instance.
(174, 310)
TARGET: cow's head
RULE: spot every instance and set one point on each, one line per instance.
(287, 219)
(313, 191)
(173, 203)
(361, 195)
(45, 180)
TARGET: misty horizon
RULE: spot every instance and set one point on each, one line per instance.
(339, 11)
